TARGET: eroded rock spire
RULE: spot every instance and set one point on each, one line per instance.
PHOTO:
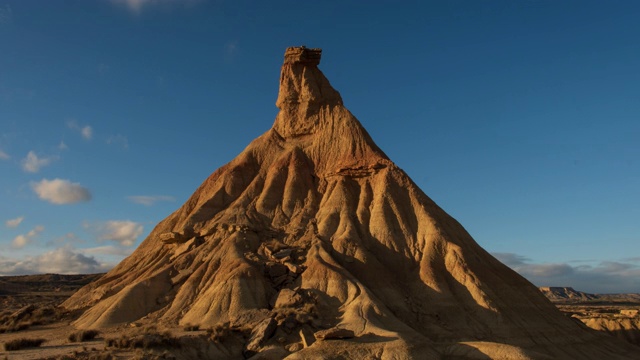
(304, 92)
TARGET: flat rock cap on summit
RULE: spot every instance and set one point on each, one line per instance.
(302, 54)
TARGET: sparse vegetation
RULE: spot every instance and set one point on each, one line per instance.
(13, 327)
(219, 332)
(146, 340)
(44, 315)
(23, 343)
(77, 355)
(141, 355)
(83, 335)
(191, 327)
(28, 316)
(225, 330)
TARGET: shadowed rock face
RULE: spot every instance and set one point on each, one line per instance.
(313, 219)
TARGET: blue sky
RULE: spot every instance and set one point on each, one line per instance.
(520, 118)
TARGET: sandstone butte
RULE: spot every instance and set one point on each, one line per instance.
(320, 246)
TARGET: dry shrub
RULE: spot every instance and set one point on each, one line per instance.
(224, 330)
(26, 317)
(13, 327)
(147, 340)
(101, 356)
(23, 343)
(44, 315)
(140, 355)
(191, 327)
(83, 335)
(4, 316)
(122, 342)
(77, 355)
(150, 329)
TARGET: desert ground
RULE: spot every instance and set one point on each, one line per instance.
(32, 311)
(615, 314)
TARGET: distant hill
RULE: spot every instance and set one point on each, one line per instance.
(570, 295)
(15, 285)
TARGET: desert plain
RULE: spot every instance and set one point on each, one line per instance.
(32, 310)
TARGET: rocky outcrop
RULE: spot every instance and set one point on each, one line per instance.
(623, 327)
(313, 227)
(565, 294)
(334, 333)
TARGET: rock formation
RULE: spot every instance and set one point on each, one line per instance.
(314, 236)
(565, 294)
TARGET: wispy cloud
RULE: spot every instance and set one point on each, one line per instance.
(85, 131)
(149, 200)
(13, 223)
(119, 140)
(137, 6)
(109, 250)
(32, 163)
(603, 277)
(59, 191)
(62, 146)
(123, 232)
(66, 239)
(64, 260)
(4, 155)
(23, 240)
(6, 14)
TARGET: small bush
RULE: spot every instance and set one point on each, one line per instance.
(19, 344)
(21, 326)
(13, 327)
(122, 342)
(150, 329)
(222, 331)
(44, 315)
(144, 341)
(100, 356)
(5, 316)
(83, 335)
(190, 327)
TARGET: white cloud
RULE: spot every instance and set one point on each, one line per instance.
(21, 241)
(62, 146)
(64, 260)
(118, 140)
(603, 277)
(85, 131)
(4, 155)
(32, 163)
(58, 191)
(124, 232)
(12, 223)
(149, 200)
